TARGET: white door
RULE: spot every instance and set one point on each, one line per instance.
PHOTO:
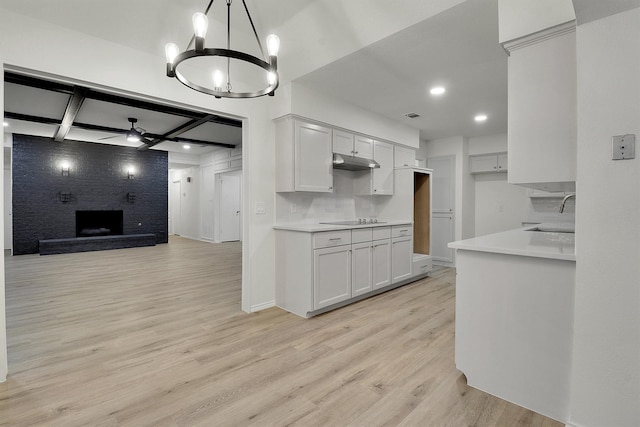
(207, 205)
(230, 190)
(361, 268)
(443, 189)
(175, 218)
(381, 263)
(331, 275)
(441, 236)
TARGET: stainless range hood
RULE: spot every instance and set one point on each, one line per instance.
(353, 163)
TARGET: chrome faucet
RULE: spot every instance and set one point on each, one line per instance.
(567, 197)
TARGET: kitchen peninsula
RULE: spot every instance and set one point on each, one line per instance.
(514, 315)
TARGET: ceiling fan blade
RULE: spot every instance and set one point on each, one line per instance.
(108, 137)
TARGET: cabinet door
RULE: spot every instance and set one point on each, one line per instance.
(542, 114)
(441, 236)
(361, 268)
(313, 161)
(404, 157)
(331, 276)
(343, 142)
(382, 181)
(363, 147)
(401, 259)
(381, 266)
(486, 163)
(443, 189)
(502, 162)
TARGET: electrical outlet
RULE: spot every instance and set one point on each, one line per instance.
(293, 208)
(260, 208)
(623, 147)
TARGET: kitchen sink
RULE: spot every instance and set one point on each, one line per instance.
(554, 229)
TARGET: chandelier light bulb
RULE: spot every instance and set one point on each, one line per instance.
(271, 78)
(273, 44)
(171, 50)
(200, 24)
(218, 79)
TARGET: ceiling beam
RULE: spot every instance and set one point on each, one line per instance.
(185, 127)
(116, 99)
(70, 113)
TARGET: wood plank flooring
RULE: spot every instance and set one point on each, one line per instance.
(155, 337)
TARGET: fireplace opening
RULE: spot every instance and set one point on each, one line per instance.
(98, 223)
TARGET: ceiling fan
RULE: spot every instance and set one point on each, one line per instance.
(135, 134)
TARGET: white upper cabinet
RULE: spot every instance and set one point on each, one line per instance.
(343, 142)
(303, 156)
(444, 185)
(404, 157)
(382, 177)
(542, 125)
(488, 163)
(350, 144)
(363, 147)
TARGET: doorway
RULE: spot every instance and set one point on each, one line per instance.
(229, 200)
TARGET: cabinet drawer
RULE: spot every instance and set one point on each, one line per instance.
(327, 239)
(402, 230)
(380, 233)
(422, 265)
(361, 235)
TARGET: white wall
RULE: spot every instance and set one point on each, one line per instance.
(315, 105)
(606, 364)
(3, 323)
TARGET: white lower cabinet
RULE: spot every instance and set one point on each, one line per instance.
(316, 270)
(361, 265)
(402, 258)
(381, 257)
(331, 275)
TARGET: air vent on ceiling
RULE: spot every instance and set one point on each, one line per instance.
(412, 115)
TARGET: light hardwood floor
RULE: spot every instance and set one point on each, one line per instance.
(154, 336)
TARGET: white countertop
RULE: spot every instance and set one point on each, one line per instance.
(313, 228)
(540, 244)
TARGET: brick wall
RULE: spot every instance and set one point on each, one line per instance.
(97, 180)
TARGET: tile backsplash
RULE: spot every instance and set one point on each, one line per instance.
(305, 207)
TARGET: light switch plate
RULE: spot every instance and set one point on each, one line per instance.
(623, 147)
(260, 208)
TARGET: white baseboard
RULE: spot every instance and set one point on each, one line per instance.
(263, 306)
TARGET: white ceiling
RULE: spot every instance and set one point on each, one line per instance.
(381, 55)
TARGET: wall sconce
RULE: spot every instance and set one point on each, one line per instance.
(65, 168)
(65, 197)
(130, 172)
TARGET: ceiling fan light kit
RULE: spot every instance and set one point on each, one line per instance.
(219, 88)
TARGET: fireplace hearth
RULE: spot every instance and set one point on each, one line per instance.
(98, 223)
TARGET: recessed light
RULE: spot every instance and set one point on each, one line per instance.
(480, 118)
(437, 90)
(186, 146)
(5, 124)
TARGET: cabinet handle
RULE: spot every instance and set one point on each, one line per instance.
(403, 231)
(335, 238)
(330, 188)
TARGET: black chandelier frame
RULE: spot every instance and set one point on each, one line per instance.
(200, 51)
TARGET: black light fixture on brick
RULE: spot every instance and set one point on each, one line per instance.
(217, 85)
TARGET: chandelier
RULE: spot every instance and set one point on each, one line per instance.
(220, 83)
